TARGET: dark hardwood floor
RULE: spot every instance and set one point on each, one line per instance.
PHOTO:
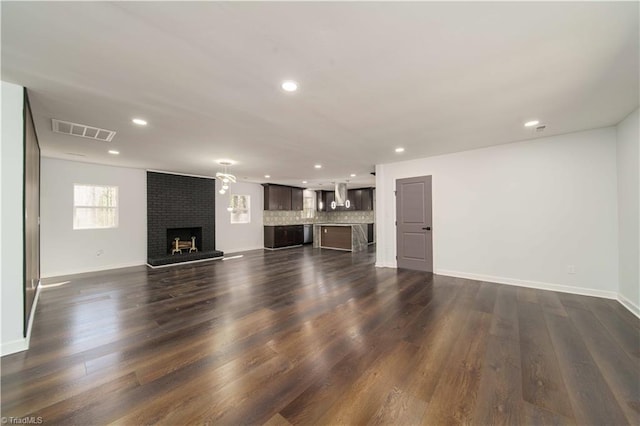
(304, 336)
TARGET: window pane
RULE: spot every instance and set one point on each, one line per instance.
(98, 196)
(95, 206)
(241, 211)
(91, 217)
(308, 205)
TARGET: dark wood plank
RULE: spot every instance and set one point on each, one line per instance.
(486, 298)
(527, 295)
(317, 399)
(500, 389)
(277, 420)
(504, 322)
(533, 415)
(400, 408)
(369, 391)
(550, 302)
(619, 370)
(438, 341)
(454, 398)
(591, 398)
(627, 336)
(542, 383)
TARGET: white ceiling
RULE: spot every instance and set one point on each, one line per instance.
(433, 78)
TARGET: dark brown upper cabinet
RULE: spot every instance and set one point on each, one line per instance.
(359, 199)
(296, 199)
(325, 198)
(280, 197)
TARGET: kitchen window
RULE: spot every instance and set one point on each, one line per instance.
(95, 206)
(309, 206)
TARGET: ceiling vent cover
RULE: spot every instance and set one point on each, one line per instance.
(75, 129)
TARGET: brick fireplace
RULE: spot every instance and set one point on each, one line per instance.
(180, 206)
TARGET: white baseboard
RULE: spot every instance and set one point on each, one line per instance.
(93, 269)
(386, 265)
(280, 248)
(632, 307)
(22, 344)
(531, 284)
(14, 346)
(241, 250)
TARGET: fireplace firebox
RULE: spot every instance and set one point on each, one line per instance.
(186, 237)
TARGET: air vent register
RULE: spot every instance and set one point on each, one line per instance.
(75, 129)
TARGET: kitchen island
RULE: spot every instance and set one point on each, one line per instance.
(342, 236)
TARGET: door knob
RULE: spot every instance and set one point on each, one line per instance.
(428, 228)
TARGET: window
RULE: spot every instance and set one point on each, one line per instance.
(308, 206)
(240, 208)
(95, 206)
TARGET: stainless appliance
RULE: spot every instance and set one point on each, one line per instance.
(308, 234)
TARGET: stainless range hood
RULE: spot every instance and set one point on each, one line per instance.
(341, 193)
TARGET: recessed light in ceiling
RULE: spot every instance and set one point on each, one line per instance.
(289, 86)
(267, 176)
(304, 181)
(353, 175)
(318, 166)
(531, 123)
(114, 152)
(399, 149)
(139, 121)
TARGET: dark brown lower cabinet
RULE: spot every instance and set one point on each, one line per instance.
(370, 233)
(283, 236)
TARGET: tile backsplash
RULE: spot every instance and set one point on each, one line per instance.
(271, 217)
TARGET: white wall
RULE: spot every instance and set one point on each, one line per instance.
(235, 237)
(11, 229)
(628, 141)
(518, 213)
(68, 251)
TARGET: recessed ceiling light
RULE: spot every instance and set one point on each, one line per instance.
(304, 181)
(289, 86)
(318, 166)
(399, 149)
(114, 152)
(139, 121)
(267, 176)
(353, 175)
(531, 123)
